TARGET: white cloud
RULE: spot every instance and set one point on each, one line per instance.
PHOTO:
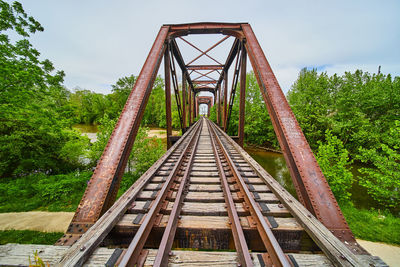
(97, 42)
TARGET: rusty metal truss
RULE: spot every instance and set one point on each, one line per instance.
(311, 186)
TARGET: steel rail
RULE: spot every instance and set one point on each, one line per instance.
(237, 230)
(170, 230)
(135, 247)
(271, 244)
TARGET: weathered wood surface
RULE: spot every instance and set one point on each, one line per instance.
(207, 222)
(18, 255)
(210, 209)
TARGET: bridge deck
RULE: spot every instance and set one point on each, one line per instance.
(205, 193)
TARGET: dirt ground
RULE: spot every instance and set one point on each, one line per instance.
(160, 133)
(59, 221)
(388, 253)
(36, 220)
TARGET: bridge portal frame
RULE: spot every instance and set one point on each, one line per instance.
(311, 186)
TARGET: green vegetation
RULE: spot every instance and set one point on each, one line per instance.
(361, 112)
(333, 159)
(28, 237)
(34, 133)
(60, 192)
(373, 225)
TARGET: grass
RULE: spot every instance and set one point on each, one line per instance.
(28, 237)
(60, 192)
(373, 225)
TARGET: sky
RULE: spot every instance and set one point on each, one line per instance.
(97, 41)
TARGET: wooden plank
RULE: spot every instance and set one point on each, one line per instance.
(18, 255)
(206, 222)
(210, 209)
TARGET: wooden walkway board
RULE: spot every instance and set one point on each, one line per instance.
(18, 255)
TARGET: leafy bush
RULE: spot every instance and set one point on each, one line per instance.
(334, 161)
(382, 179)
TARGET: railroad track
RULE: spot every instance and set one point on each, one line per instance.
(206, 202)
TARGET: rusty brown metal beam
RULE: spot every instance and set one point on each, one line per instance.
(184, 101)
(190, 106)
(242, 97)
(168, 116)
(312, 188)
(205, 67)
(225, 99)
(204, 81)
(219, 106)
(101, 191)
(204, 27)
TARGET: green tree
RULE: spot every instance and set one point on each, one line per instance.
(32, 101)
(382, 178)
(334, 161)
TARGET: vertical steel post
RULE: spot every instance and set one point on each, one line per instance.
(190, 105)
(218, 105)
(193, 106)
(242, 97)
(225, 98)
(183, 101)
(197, 107)
(168, 116)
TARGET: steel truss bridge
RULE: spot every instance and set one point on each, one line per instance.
(206, 201)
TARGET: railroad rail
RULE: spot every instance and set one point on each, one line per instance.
(205, 201)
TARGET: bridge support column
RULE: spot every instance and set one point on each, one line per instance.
(242, 96)
(168, 117)
(183, 101)
(193, 106)
(219, 105)
(190, 105)
(225, 99)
